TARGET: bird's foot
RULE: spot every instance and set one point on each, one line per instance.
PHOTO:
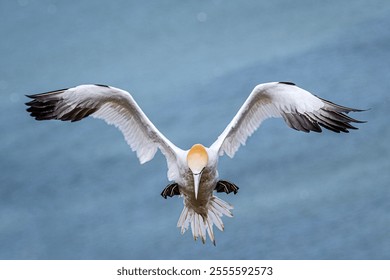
(170, 190)
(227, 187)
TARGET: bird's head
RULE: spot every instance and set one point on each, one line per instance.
(197, 159)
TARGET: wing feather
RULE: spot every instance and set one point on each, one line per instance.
(116, 107)
(300, 109)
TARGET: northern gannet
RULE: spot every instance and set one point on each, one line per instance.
(193, 172)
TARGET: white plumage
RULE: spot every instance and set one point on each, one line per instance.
(194, 171)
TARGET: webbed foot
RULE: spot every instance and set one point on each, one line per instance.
(227, 187)
(170, 190)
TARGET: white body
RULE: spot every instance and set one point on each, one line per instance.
(194, 170)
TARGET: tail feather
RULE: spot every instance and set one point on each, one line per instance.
(210, 229)
(216, 220)
(184, 220)
(222, 207)
(201, 224)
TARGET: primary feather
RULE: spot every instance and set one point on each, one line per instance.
(116, 107)
(300, 109)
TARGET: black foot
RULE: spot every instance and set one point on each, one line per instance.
(227, 187)
(170, 190)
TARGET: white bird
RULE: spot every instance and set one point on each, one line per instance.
(193, 172)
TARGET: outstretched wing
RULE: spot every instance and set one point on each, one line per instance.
(113, 105)
(299, 108)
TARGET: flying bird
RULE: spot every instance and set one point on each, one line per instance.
(193, 173)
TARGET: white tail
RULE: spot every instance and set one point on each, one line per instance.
(200, 223)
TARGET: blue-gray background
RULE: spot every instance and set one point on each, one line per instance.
(76, 191)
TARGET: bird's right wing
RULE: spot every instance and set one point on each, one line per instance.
(113, 105)
(299, 108)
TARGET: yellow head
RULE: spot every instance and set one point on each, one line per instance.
(197, 159)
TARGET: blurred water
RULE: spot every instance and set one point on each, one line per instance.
(76, 191)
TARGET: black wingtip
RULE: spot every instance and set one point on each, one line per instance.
(101, 85)
(361, 110)
(288, 83)
(31, 96)
(44, 94)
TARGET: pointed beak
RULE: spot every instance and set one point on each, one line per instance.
(196, 183)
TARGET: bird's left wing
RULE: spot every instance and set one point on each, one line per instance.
(299, 108)
(113, 105)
